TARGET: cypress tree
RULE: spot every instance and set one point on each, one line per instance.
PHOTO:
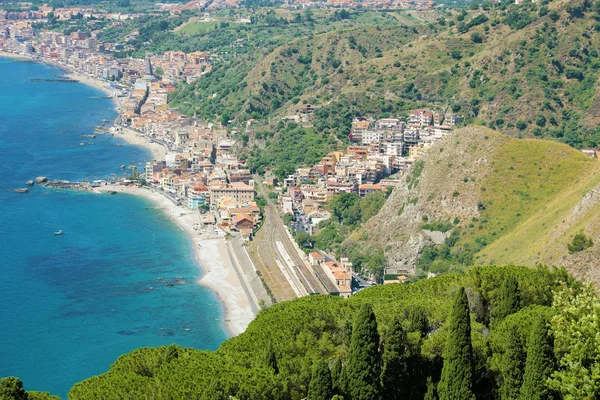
(320, 387)
(512, 368)
(457, 374)
(540, 362)
(393, 371)
(418, 321)
(337, 377)
(508, 300)
(362, 370)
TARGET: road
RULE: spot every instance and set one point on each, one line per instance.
(273, 231)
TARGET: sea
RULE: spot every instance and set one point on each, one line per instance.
(71, 304)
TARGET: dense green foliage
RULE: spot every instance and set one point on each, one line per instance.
(11, 388)
(540, 362)
(457, 374)
(394, 382)
(508, 299)
(362, 370)
(324, 328)
(513, 365)
(580, 243)
(349, 211)
(283, 152)
(320, 387)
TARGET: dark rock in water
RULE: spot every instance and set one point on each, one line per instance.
(41, 179)
(127, 333)
(21, 190)
(30, 183)
(111, 192)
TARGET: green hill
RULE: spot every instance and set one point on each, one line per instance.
(526, 70)
(273, 359)
(480, 197)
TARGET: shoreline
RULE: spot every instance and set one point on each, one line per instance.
(221, 277)
(127, 135)
(210, 252)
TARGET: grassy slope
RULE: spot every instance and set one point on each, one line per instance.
(547, 182)
(515, 201)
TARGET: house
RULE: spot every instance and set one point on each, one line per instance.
(242, 221)
(307, 109)
(316, 258)
(364, 190)
(593, 153)
(340, 275)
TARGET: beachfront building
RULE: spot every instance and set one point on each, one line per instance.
(239, 192)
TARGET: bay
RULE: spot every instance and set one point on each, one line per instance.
(72, 304)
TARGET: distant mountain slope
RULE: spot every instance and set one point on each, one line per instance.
(481, 197)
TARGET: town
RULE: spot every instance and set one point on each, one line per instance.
(200, 170)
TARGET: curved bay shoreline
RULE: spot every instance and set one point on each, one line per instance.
(219, 273)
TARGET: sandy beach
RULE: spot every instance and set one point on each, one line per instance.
(211, 253)
(132, 137)
(219, 274)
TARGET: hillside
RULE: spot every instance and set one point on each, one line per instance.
(480, 197)
(527, 70)
(275, 357)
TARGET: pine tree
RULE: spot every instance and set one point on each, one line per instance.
(508, 300)
(540, 362)
(362, 370)
(11, 388)
(393, 371)
(513, 364)
(320, 387)
(457, 374)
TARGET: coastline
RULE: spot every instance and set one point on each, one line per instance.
(218, 272)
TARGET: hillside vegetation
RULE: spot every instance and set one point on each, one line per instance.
(277, 355)
(480, 197)
(527, 70)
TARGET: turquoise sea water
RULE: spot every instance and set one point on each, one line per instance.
(72, 304)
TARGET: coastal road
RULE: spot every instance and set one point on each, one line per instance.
(274, 230)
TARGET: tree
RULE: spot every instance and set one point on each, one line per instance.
(430, 394)
(11, 388)
(271, 358)
(580, 243)
(513, 364)
(363, 365)
(508, 300)
(577, 317)
(457, 374)
(540, 362)
(213, 154)
(393, 371)
(320, 386)
(476, 37)
(337, 377)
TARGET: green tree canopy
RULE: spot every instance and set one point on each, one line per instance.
(320, 387)
(363, 363)
(539, 364)
(457, 374)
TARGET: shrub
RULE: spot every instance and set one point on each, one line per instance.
(580, 243)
